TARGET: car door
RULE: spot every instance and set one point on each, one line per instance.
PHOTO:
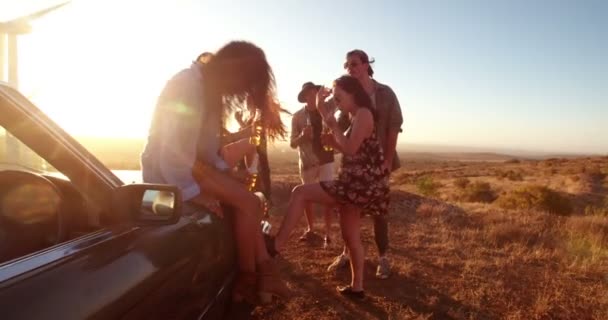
(121, 269)
(194, 287)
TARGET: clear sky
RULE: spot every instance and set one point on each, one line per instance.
(502, 74)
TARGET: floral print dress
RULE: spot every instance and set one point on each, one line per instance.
(362, 181)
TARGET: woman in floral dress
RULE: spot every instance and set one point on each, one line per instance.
(361, 184)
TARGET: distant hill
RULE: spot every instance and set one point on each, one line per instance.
(455, 156)
(121, 153)
(116, 153)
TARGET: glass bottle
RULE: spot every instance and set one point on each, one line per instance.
(256, 136)
(265, 224)
(253, 178)
(327, 130)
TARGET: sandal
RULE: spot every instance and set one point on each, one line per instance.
(348, 292)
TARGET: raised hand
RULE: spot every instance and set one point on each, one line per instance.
(328, 139)
(209, 203)
(322, 94)
(307, 132)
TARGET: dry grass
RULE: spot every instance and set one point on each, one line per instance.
(453, 259)
(536, 197)
(427, 186)
(477, 192)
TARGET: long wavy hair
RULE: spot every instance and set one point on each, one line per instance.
(352, 86)
(240, 70)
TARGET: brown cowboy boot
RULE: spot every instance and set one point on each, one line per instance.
(269, 283)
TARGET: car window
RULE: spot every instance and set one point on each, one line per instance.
(39, 207)
(16, 155)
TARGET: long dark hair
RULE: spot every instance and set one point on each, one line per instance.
(352, 86)
(240, 70)
(364, 59)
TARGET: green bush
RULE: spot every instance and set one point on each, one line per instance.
(427, 186)
(462, 182)
(478, 192)
(537, 198)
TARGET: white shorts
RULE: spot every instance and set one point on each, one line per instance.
(324, 172)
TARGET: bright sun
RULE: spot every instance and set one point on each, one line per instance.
(97, 68)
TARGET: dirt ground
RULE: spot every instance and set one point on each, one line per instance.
(455, 259)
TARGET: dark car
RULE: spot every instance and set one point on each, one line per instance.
(77, 243)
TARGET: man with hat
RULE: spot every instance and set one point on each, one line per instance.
(316, 164)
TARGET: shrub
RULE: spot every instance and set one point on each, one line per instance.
(513, 161)
(427, 186)
(598, 210)
(537, 198)
(511, 175)
(551, 172)
(462, 182)
(478, 192)
(514, 176)
(403, 178)
(596, 173)
(587, 239)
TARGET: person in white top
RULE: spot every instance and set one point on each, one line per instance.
(316, 164)
(184, 144)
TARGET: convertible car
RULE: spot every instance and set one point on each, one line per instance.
(78, 243)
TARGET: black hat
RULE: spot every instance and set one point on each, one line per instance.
(305, 87)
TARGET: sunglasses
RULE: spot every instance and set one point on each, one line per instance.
(351, 65)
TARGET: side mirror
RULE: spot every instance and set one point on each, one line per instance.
(149, 204)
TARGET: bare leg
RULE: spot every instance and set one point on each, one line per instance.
(350, 223)
(310, 216)
(329, 211)
(301, 195)
(246, 249)
(248, 213)
(306, 176)
(258, 272)
(247, 227)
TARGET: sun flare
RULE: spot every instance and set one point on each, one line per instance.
(97, 69)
